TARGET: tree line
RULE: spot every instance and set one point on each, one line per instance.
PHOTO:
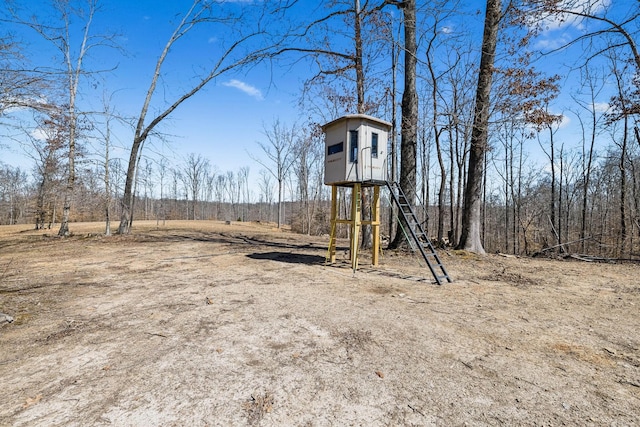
(478, 138)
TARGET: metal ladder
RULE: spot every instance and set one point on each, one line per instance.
(418, 234)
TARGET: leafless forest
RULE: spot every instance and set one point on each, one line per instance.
(142, 283)
(542, 188)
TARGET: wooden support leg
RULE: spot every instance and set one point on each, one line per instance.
(375, 225)
(331, 256)
(356, 216)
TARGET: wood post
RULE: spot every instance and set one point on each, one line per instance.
(331, 256)
(375, 225)
(355, 224)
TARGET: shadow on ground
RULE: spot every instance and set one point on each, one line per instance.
(292, 258)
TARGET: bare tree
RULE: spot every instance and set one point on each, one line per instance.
(219, 190)
(246, 30)
(471, 219)
(13, 186)
(104, 127)
(309, 156)
(48, 153)
(147, 186)
(617, 31)
(243, 184)
(345, 44)
(233, 191)
(195, 170)
(437, 126)
(409, 123)
(60, 34)
(163, 171)
(621, 101)
(459, 116)
(266, 191)
(590, 130)
(20, 85)
(279, 149)
(107, 179)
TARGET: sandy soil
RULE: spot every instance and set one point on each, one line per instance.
(204, 324)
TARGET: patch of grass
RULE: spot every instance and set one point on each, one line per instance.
(462, 254)
(258, 406)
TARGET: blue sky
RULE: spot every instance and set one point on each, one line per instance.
(221, 122)
(226, 119)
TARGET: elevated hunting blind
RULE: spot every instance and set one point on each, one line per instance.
(355, 156)
(355, 150)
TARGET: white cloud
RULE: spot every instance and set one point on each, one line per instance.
(556, 22)
(39, 134)
(552, 43)
(601, 107)
(246, 88)
(564, 121)
(555, 29)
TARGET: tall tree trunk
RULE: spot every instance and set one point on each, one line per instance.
(552, 206)
(71, 177)
(358, 59)
(560, 194)
(409, 126)
(280, 184)
(585, 182)
(126, 216)
(107, 184)
(442, 203)
(197, 14)
(365, 243)
(74, 71)
(437, 132)
(452, 186)
(394, 154)
(470, 239)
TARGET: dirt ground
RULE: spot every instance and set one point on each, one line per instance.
(202, 323)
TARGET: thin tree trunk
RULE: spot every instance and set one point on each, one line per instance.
(107, 184)
(623, 186)
(552, 164)
(560, 193)
(586, 182)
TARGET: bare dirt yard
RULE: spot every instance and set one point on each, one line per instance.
(202, 323)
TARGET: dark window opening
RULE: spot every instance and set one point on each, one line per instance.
(335, 148)
(353, 146)
(374, 145)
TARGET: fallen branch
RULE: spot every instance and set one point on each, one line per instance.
(580, 258)
(157, 335)
(629, 383)
(592, 258)
(415, 410)
(562, 245)
(506, 255)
